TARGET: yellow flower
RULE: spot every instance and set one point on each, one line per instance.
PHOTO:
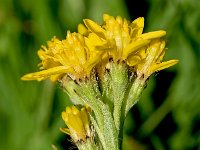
(148, 59)
(75, 55)
(80, 52)
(120, 37)
(78, 123)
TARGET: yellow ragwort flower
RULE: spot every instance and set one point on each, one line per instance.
(148, 59)
(80, 52)
(120, 37)
(78, 123)
(76, 55)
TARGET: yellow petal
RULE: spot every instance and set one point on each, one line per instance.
(82, 29)
(161, 52)
(75, 124)
(136, 45)
(90, 64)
(68, 110)
(75, 111)
(64, 116)
(54, 78)
(95, 40)
(94, 27)
(46, 73)
(104, 47)
(152, 35)
(84, 116)
(65, 130)
(163, 65)
(139, 22)
(85, 119)
(133, 60)
(106, 17)
(138, 25)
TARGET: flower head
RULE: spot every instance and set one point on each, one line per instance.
(149, 59)
(75, 56)
(95, 44)
(120, 37)
(78, 123)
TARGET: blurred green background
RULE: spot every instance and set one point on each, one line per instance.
(166, 117)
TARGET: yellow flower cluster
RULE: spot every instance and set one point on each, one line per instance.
(75, 55)
(121, 38)
(117, 38)
(148, 59)
(78, 123)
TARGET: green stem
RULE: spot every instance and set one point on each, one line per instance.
(103, 121)
(119, 83)
(134, 94)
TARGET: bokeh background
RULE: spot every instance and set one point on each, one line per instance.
(166, 118)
